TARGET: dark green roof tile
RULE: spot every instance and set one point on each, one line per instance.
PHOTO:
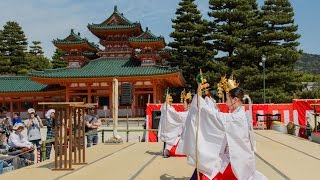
(146, 36)
(74, 38)
(106, 67)
(111, 27)
(20, 84)
(124, 23)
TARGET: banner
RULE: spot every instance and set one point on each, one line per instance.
(294, 112)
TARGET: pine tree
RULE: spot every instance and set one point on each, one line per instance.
(57, 61)
(13, 44)
(233, 31)
(279, 43)
(4, 62)
(190, 35)
(279, 38)
(36, 49)
(37, 62)
(36, 59)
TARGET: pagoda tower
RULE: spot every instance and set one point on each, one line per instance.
(114, 33)
(147, 47)
(78, 51)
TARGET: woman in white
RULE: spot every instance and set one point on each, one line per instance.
(17, 141)
(170, 128)
(223, 140)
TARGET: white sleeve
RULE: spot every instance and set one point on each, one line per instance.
(19, 143)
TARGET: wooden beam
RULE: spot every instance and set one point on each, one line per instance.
(60, 103)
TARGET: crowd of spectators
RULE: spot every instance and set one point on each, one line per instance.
(18, 151)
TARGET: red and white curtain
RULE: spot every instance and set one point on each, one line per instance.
(295, 112)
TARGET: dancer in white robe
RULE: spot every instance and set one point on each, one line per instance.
(171, 126)
(222, 138)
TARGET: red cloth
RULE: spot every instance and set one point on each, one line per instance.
(172, 152)
(226, 175)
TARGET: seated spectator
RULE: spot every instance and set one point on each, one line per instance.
(7, 156)
(17, 141)
(16, 118)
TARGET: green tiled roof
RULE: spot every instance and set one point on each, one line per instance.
(146, 36)
(74, 39)
(20, 84)
(106, 67)
(124, 23)
(116, 26)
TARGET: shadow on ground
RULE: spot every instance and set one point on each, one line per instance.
(169, 177)
(158, 153)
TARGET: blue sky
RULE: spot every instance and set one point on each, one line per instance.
(45, 20)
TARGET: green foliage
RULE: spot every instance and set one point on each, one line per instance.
(35, 58)
(13, 44)
(192, 51)
(279, 37)
(241, 33)
(37, 62)
(234, 29)
(57, 61)
(36, 49)
(308, 63)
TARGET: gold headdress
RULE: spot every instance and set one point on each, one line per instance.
(226, 85)
(184, 96)
(231, 84)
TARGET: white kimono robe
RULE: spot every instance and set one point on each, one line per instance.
(222, 137)
(171, 125)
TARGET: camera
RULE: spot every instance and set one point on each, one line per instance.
(35, 115)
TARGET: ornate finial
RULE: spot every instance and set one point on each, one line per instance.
(188, 96)
(147, 29)
(115, 9)
(182, 95)
(72, 31)
(168, 97)
(221, 86)
(203, 85)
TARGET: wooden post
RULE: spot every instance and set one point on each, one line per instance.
(67, 93)
(154, 89)
(115, 102)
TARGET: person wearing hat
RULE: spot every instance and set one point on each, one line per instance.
(92, 124)
(17, 141)
(9, 156)
(33, 124)
(50, 115)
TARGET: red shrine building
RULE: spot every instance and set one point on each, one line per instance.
(134, 56)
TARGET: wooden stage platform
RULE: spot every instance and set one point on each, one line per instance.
(279, 156)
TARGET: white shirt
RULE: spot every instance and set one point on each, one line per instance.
(17, 140)
(33, 130)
